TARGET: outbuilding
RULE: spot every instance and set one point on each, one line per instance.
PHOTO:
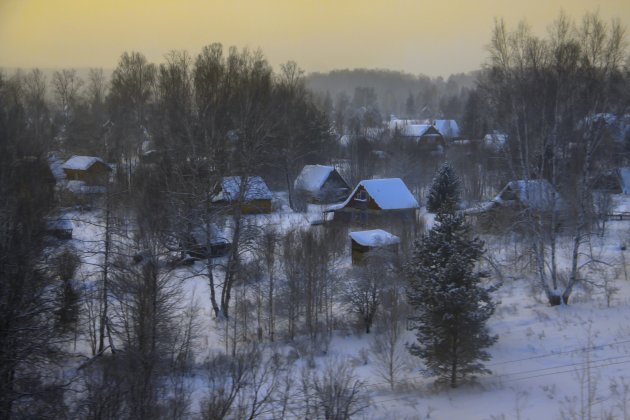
(89, 169)
(253, 195)
(368, 241)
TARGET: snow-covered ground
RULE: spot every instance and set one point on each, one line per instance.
(543, 364)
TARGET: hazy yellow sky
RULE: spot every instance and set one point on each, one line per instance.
(436, 37)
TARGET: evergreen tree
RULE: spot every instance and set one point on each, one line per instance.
(444, 192)
(451, 306)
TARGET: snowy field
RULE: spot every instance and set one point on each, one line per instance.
(549, 362)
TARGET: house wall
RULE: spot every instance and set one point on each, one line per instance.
(356, 204)
(361, 252)
(249, 207)
(257, 207)
(96, 174)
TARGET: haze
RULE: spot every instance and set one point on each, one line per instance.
(433, 38)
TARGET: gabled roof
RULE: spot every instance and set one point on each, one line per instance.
(255, 189)
(448, 128)
(536, 194)
(414, 130)
(376, 237)
(312, 177)
(82, 163)
(388, 193)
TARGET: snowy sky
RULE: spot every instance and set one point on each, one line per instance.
(417, 36)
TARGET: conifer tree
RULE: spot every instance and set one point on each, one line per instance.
(451, 306)
(444, 193)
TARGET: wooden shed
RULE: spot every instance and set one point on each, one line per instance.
(367, 241)
(253, 195)
(88, 169)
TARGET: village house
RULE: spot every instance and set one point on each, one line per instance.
(321, 184)
(253, 195)
(367, 242)
(536, 196)
(424, 135)
(377, 198)
(611, 194)
(87, 169)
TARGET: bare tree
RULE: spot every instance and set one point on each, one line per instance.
(388, 348)
(333, 393)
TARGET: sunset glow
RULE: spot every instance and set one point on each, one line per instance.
(434, 38)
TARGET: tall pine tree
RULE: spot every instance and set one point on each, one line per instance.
(451, 305)
(444, 192)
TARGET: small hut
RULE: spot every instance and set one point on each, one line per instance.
(88, 169)
(367, 241)
(321, 184)
(253, 195)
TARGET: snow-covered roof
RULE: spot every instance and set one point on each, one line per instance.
(448, 128)
(396, 123)
(81, 163)
(376, 237)
(624, 177)
(388, 193)
(312, 177)
(536, 194)
(414, 130)
(255, 189)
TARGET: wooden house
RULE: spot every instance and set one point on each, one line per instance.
(253, 195)
(366, 242)
(537, 197)
(88, 169)
(321, 184)
(426, 136)
(377, 198)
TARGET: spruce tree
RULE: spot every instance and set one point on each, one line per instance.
(444, 193)
(451, 306)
